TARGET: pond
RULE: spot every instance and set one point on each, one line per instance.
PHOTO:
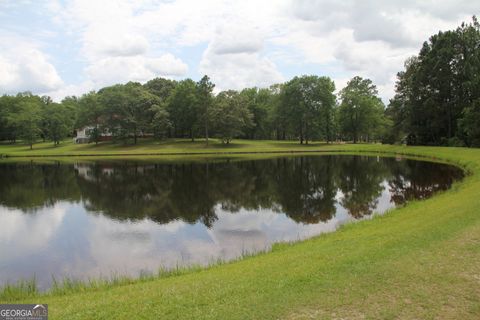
(94, 219)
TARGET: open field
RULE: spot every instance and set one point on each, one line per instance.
(421, 261)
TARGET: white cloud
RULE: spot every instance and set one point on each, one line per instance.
(27, 69)
(235, 38)
(72, 90)
(234, 58)
(368, 38)
(113, 70)
(241, 70)
(114, 44)
(41, 228)
(118, 45)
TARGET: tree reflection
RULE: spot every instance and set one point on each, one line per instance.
(361, 183)
(306, 189)
(28, 186)
(420, 180)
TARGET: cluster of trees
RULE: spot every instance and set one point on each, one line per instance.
(437, 102)
(437, 99)
(29, 117)
(304, 108)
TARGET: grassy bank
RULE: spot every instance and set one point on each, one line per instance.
(152, 147)
(420, 261)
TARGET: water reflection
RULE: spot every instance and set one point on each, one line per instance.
(91, 219)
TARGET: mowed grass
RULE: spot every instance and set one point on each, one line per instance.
(417, 262)
(150, 146)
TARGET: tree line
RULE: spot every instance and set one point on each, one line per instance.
(304, 108)
(437, 102)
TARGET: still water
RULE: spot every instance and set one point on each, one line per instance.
(93, 219)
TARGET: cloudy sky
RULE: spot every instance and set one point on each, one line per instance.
(69, 47)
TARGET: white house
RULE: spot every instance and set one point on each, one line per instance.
(83, 135)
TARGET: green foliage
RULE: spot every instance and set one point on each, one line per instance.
(161, 124)
(58, 123)
(8, 105)
(230, 115)
(361, 112)
(183, 109)
(27, 119)
(259, 104)
(470, 124)
(205, 100)
(160, 87)
(128, 110)
(91, 113)
(438, 89)
(308, 103)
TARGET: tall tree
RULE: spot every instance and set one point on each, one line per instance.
(205, 98)
(91, 113)
(308, 102)
(129, 109)
(231, 115)
(438, 85)
(8, 106)
(27, 119)
(58, 123)
(278, 115)
(161, 123)
(470, 124)
(161, 87)
(360, 110)
(183, 109)
(258, 102)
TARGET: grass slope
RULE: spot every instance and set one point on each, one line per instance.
(420, 262)
(152, 147)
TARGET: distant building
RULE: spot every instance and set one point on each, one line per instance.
(83, 135)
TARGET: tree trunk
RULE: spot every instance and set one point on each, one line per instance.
(301, 133)
(449, 122)
(206, 130)
(306, 133)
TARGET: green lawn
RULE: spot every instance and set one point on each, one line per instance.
(152, 147)
(417, 262)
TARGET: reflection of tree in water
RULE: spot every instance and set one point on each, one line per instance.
(160, 192)
(304, 188)
(420, 180)
(28, 186)
(361, 183)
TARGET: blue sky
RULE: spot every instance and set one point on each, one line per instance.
(70, 47)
